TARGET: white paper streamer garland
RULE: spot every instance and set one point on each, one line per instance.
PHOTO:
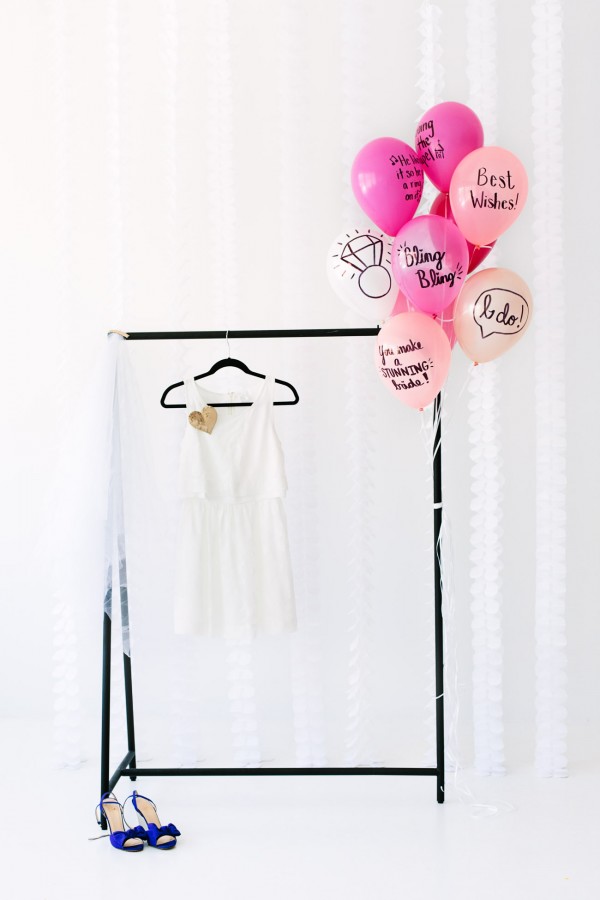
(302, 503)
(481, 64)
(221, 207)
(427, 435)
(431, 77)
(178, 210)
(486, 460)
(115, 73)
(548, 284)
(485, 570)
(184, 674)
(65, 661)
(355, 89)
(355, 27)
(431, 86)
(220, 185)
(117, 34)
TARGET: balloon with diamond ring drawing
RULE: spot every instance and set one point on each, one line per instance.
(359, 268)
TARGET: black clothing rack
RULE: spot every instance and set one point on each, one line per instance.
(127, 766)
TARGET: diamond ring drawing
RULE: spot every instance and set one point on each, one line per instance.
(359, 269)
(364, 254)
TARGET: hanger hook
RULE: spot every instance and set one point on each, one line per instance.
(228, 345)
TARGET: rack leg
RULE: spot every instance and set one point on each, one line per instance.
(439, 622)
(105, 740)
(127, 668)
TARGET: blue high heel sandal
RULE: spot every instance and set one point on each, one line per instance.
(164, 837)
(130, 839)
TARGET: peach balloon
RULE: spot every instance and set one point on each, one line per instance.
(487, 193)
(492, 313)
(412, 356)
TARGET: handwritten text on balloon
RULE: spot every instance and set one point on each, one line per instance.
(499, 311)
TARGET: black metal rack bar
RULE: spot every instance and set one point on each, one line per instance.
(127, 767)
(259, 333)
(281, 770)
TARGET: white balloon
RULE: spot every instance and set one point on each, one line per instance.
(359, 268)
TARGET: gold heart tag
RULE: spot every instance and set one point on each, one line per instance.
(203, 420)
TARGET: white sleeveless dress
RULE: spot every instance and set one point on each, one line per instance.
(234, 571)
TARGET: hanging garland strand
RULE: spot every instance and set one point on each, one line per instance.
(550, 406)
(485, 454)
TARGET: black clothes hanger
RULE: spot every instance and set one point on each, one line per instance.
(237, 364)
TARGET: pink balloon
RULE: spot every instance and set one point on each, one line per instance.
(441, 207)
(492, 313)
(445, 135)
(487, 193)
(412, 356)
(429, 262)
(387, 180)
(445, 318)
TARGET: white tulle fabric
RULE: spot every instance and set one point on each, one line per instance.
(550, 404)
(81, 545)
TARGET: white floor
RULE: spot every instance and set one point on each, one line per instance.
(369, 838)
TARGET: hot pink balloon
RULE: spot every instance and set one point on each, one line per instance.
(445, 318)
(487, 193)
(429, 262)
(412, 355)
(446, 133)
(387, 180)
(441, 207)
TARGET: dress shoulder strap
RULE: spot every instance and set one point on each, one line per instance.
(270, 389)
(265, 399)
(192, 401)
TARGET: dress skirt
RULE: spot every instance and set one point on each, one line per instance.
(234, 571)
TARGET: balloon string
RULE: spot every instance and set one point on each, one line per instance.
(445, 556)
(473, 251)
(477, 247)
(448, 413)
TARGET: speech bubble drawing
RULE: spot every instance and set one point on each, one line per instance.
(500, 311)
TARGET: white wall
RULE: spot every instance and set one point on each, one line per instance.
(118, 210)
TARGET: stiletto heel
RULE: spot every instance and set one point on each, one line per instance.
(131, 839)
(164, 837)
